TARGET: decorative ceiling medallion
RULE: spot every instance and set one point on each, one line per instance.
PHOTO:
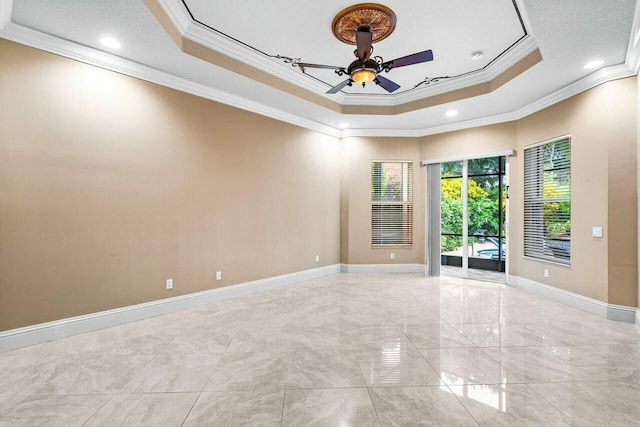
(379, 18)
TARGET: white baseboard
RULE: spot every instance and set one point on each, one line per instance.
(382, 268)
(44, 332)
(593, 306)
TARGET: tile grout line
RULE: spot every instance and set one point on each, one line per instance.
(286, 383)
(462, 404)
(367, 387)
(201, 390)
(374, 405)
(548, 401)
(195, 401)
(97, 410)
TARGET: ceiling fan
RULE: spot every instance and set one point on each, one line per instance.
(365, 69)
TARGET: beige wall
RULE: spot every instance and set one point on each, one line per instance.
(109, 185)
(603, 125)
(468, 142)
(357, 155)
(603, 129)
(622, 191)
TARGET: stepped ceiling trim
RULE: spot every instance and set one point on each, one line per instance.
(26, 36)
(5, 12)
(201, 40)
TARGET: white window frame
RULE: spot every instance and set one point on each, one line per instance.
(537, 244)
(380, 224)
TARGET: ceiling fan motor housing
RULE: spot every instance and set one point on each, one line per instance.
(363, 71)
(364, 24)
(358, 64)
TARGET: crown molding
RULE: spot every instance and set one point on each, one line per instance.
(633, 48)
(203, 36)
(525, 48)
(433, 89)
(589, 82)
(594, 79)
(517, 53)
(178, 14)
(97, 58)
(483, 121)
(210, 39)
(29, 37)
(434, 130)
(525, 16)
(396, 133)
(6, 6)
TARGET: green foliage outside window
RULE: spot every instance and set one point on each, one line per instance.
(482, 204)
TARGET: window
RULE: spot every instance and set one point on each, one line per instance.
(547, 201)
(391, 204)
(484, 206)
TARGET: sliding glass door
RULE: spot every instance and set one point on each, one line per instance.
(473, 204)
(486, 213)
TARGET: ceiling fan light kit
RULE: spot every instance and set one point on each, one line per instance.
(362, 25)
(363, 71)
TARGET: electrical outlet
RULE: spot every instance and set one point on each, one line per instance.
(392, 256)
(218, 275)
(317, 258)
(169, 283)
(546, 272)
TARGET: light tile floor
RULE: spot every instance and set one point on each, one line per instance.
(474, 273)
(344, 350)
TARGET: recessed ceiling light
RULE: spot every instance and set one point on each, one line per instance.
(452, 113)
(110, 42)
(593, 64)
(477, 55)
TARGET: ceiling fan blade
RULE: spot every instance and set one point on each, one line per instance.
(364, 39)
(327, 67)
(387, 84)
(337, 88)
(416, 58)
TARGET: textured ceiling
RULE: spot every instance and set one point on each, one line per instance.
(453, 30)
(566, 33)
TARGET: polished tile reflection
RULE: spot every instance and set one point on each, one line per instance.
(460, 366)
(236, 408)
(395, 367)
(324, 369)
(508, 405)
(151, 409)
(329, 407)
(594, 403)
(415, 406)
(342, 350)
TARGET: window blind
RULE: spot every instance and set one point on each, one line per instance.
(391, 203)
(547, 201)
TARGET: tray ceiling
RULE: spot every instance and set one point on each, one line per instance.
(454, 30)
(534, 52)
(273, 39)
